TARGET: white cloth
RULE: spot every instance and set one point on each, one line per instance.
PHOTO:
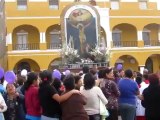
(2, 103)
(93, 103)
(140, 111)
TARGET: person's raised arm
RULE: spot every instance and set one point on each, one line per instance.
(64, 97)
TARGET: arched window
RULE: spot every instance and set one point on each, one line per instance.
(149, 65)
(24, 65)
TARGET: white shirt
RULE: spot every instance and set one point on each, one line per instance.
(94, 95)
(140, 110)
(2, 103)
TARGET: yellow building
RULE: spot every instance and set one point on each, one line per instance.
(3, 57)
(37, 30)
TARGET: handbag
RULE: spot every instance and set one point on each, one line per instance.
(103, 111)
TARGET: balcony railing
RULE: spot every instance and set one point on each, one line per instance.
(152, 43)
(124, 43)
(54, 46)
(28, 46)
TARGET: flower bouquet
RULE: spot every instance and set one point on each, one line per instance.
(69, 54)
(100, 54)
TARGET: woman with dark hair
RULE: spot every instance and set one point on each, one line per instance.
(78, 82)
(49, 97)
(72, 109)
(151, 101)
(117, 76)
(93, 95)
(111, 92)
(127, 100)
(32, 103)
(99, 77)
(14, 102)
(57, 84)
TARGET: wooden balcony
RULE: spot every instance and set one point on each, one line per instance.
(28, 46)
(124, 43)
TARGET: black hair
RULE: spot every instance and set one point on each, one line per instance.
(116, 74)
(46, 76)
(30, 79)
(69, 82)
(2, 80)
(21, 80)
(145, 76)
(106, 71)
(93, 72)
(128, 73)
(56, 83)
(138, 80)
(85, 69)
(139, 74)
(77, 78)
(62, 77)
(100, 74)
(89, 81)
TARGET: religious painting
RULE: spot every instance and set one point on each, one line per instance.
(81, 31)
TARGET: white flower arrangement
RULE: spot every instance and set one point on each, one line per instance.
(100, 53)
(69, 53)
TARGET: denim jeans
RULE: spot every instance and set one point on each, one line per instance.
(1, 116)
(48, 118)
(127, 111)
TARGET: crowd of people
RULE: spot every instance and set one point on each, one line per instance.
(55, 95)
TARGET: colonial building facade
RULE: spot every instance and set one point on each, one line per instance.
(38, 29)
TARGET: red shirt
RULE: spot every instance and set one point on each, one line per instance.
(146, 81)
(32, 102)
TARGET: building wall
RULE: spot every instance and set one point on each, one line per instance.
(37, 21)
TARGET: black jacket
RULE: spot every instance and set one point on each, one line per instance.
(20, 115)
(151, 102)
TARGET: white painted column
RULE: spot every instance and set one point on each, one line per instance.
(9, 38)
(141, 69)
(158, 4)
(140, 35)
(105, 23)
(42, 37)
